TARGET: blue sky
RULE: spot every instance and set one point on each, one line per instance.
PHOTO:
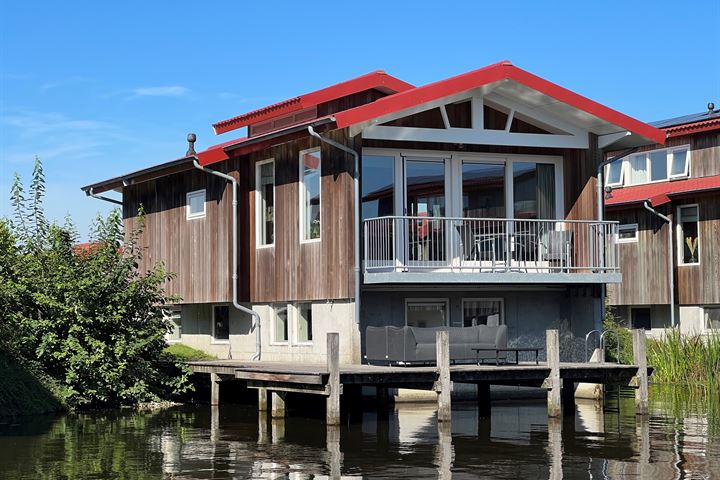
(97, 89)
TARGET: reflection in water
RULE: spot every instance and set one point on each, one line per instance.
(678, 440)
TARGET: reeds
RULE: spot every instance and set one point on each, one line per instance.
(686, 359)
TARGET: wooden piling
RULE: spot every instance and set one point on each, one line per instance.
(214, 389)
(278, 405)
(444, 385)
(262, 400)
(640, 359)
(333, 365)
(552, 346)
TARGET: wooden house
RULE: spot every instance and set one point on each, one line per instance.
(471, 200)
(667, 200)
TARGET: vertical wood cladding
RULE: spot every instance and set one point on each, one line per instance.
(290, 270)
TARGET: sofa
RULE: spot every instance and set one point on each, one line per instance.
(414, 345)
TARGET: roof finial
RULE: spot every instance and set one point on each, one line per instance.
(711, 108)
(191, 145)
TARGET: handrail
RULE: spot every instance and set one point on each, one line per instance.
(587, 338)
(485, 219)
(617, 340)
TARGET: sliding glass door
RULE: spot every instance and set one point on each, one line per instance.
(425, 201)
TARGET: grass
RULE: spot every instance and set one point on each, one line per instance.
(23, 391)
(686, 359)
(183, 353)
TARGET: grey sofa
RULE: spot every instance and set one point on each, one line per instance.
(408, 345)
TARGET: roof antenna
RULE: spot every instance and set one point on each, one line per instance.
(191, 145)
(711, 108)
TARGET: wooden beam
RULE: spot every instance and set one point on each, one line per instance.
(610, 138)
(262, 400)
(278, 404)
(214, 389)
(640, 359)
(442, 350)
(332, 412)
(552, 349)
(279, 377)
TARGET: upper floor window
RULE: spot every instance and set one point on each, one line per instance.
(646, 167)
(265, 225)
(688, 234)
(310, 194)
(195, 202)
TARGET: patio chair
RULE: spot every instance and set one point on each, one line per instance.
(556, 248)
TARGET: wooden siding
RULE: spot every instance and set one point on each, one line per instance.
(290, 270)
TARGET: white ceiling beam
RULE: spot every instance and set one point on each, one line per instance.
(510, 117)
(538, 115)
(475, 137)
(445, 119)
(605, 141)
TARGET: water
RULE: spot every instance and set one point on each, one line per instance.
(680, 439)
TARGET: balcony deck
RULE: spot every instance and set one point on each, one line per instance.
(474, 250)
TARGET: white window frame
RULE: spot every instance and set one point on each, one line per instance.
(429, 301)
(622, 174)
(219, 341)
(634, 239)
(288, 319)
(170, 312)
(296, 323)
(259, 224)
(669, 155)
(679, 235)
(301, 191)
(188, 196)
(484, 299)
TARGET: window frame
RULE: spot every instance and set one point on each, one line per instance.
(429, 301)
(288, 319)
(258, 205)
(634, 226)
(188, 196)
(301, 191)
(619, 183)
(671, 157)
(706, 318)
(170, 312)
(483, 299)
(679, 235)
(296, 309)
(214, 339)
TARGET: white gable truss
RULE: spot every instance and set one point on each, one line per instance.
(561, 134)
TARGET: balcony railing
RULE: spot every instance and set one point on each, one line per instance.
(486, 245)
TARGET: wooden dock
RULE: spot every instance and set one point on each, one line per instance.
(331, 379)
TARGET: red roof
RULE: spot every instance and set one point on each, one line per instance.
(660, 193)
(378, 80)
(690, 128)
(484, 76)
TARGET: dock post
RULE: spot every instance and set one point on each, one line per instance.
(483, 400)
(332, 412)
(552, 345)
(214, 389)
(640, 359)
(278, 405)
(262, 400)
(567, 399)
(442, 346)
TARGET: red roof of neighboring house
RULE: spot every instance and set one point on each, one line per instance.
(660, 193)
(378, 80)
(690, 128)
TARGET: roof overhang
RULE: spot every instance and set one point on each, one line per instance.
(658, 194)
(139, 176)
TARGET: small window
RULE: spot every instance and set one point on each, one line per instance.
(280, 333)
(426, 314)
(679, 163)
(658, 165)
(641, 318)
(688, 235)
(482, 311)
(265, 203)
(175, 323)
(221, 323)
(628, 233)
(304, 323)
(712, 318)
(310, 203)
(195, 204)
(614, 173)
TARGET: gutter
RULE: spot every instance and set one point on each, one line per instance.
(356, 223)
(671, 271)
(90, 193)
(256, 316)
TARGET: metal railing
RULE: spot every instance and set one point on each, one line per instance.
(488, 245)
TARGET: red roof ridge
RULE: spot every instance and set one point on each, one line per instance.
(377, 79)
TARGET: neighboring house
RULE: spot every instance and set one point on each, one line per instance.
(478, 205)
(680, 180)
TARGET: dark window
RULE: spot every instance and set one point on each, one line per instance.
(641, 318)
(533, 190)
(483, 186)
(221, 323)
(378, 186)
(689, 237)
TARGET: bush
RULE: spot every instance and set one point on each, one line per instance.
(686, 359)
(179, 352)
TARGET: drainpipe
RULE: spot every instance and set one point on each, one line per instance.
(256, 316)
(100, 197)
(356, 185)
(671, 272)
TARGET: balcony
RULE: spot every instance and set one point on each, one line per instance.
(425, 249)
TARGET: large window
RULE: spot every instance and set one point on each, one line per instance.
(310, 203)
(533, 190)
(195, 204)
(482, 311)
(265, 178)
(378, 186)
(652, 166)
(221, 323)
(280, 330)
(483, 190)
(688, 235)
(304, 323)
(426, 313)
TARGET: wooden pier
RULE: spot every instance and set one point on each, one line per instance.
(331, 379)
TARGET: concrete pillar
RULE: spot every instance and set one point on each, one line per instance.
(278, 405)
(552, 346)
(262, 400)
(277, 427)
(332, 411)
(214, 389)
(442, 345)
(640, 359)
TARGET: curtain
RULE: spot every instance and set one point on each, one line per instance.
(546, 190)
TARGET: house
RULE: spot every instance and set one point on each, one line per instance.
(667, 200)
(471, 200)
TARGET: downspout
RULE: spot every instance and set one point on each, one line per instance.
(256, 316)
(671, 272)
(100, 197)
(356, 223)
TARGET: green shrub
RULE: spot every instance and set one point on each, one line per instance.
(686, 359)
(182, 353)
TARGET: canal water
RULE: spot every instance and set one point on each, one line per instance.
(680, 439)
